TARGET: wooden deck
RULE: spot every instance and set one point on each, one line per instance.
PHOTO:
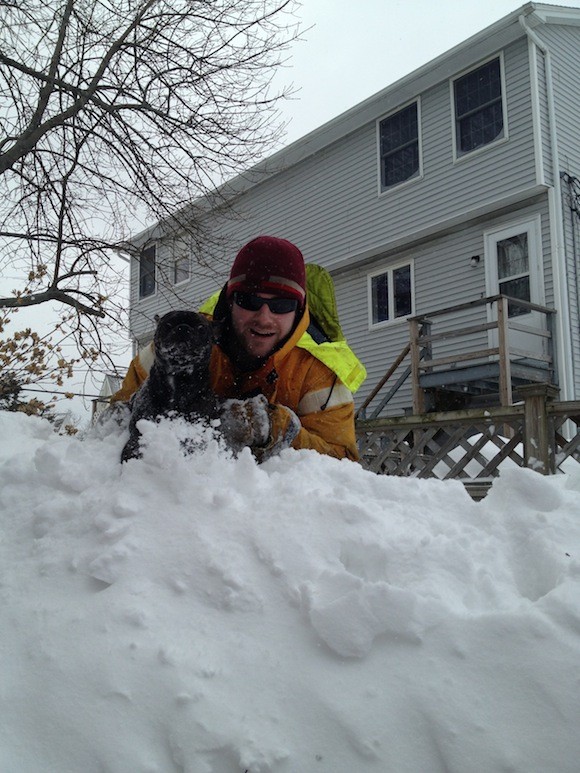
(473, 445)
(472, 376)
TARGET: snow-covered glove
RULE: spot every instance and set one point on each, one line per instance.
(265, 428)
(246, 422)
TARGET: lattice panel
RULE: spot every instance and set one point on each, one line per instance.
(465, 451)
(566, 449)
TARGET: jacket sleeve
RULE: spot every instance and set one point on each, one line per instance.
(329, 432)
(325, 409)
(137, 374)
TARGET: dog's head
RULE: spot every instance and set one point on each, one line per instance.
(183, 341)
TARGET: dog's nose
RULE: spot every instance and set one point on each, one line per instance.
(184, 330)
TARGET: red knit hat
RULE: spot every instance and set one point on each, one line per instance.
(269, 265)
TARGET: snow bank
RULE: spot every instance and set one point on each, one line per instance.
(209, 615)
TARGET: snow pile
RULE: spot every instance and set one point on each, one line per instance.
(208, 615)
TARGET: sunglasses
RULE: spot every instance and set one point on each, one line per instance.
(251, 302)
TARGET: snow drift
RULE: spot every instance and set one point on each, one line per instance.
(204, 614)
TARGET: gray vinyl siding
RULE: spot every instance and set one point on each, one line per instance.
(443, 277)
(564, 45)
(329, 204)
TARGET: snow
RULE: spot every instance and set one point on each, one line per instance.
(205, 614)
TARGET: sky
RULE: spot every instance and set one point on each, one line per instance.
(348, 52)
(203, 614)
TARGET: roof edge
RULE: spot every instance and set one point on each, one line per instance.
(492, 38)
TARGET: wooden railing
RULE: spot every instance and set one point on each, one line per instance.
(471, 445)
(362, 411)
(422, 339)
(423, 342)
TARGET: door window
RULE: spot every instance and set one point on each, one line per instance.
(513, 270)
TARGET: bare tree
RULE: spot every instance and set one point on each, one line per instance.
(116, 113)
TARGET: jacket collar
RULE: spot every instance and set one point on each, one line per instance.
(280, 354)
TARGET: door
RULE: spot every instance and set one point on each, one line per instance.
(514, 267)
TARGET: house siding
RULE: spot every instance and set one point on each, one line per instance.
(448, 259)
(564, 45)
(329, 203)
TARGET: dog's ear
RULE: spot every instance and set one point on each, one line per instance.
(156, 318)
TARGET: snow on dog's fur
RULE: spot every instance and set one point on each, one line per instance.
(179, 381)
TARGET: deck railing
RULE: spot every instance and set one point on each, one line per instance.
(426, 337)
(472, 445)
(422, 339)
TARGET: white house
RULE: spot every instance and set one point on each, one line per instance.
(457, 183)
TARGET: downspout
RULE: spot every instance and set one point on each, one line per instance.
(564, 336)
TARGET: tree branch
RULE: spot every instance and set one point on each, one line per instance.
(52, 294)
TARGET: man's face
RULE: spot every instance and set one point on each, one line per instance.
(259, 332)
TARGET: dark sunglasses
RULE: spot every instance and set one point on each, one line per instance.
(254, 303)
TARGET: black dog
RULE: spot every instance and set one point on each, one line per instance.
(179, 381)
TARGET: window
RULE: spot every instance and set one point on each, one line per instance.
(180, 269)
(479, 112)
(513, 270)
(391, 294)
(147, 271)
(399, 146)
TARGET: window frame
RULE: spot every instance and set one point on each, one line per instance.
(390, 270)
(459, 155)
(184, 258)
(418, 175)
(153, 293)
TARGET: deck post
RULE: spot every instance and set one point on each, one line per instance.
(539, 441)
(418, 394)
(505, 376)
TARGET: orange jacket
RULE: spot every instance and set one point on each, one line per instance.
(292, 377)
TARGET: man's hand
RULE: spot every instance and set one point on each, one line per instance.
(266, 429)
(246, 422)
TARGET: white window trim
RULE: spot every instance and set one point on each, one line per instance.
(533, 227)
(419, 176)
(460, 158)
(183, 281)
(155, 274)
(384, 270)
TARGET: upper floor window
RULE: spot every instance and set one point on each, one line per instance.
(180, 269)
(399, 146)
(147, 271)
(391, 294)
(479, 110)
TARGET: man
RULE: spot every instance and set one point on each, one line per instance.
(264, 348)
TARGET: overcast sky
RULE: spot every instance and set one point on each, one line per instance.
(352, 49)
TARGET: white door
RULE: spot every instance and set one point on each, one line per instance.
(514, 267)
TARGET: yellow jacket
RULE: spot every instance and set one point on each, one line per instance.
(303, 376)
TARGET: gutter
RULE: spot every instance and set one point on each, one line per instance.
(564, 338)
